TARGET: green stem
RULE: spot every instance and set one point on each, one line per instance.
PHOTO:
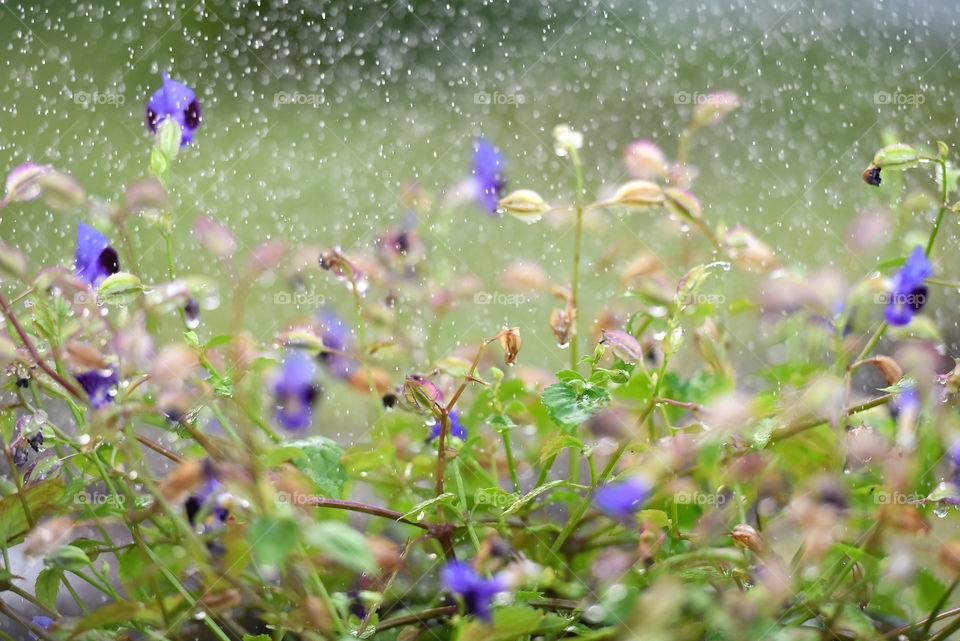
(577, 242)
(463, 502)
(510, 462)
(943, 207)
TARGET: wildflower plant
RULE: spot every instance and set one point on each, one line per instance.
(650, 489)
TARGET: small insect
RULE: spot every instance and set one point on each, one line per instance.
(871, 175)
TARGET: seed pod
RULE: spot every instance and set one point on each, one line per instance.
(510, 342)
(563, 323)
(641, 194)
(524, 204)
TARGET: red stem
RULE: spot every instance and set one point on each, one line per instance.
(36, 355)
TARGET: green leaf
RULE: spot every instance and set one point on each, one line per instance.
(568, 375)
(259, 637)
(67, 557)
(48, 585)
(422, 506)
(568, 409)
(534, 493)
(318, 457)
(929, 589)
(347, 546)
(552, 447)
(116, 612)
(501, 423)
(656, 517)
(43, 499)
(273, 540)
(513, 622)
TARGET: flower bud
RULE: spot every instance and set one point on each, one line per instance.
(421, 392)
(119, 288)
(524, 204)
(748, 251)
(565, 140)
(898, 156)
(625, 346)
(682, 202)
(215, 237)
(61, 191)
(510, 342)
(746, 536)
(641, 194)
(22, 183)
(266, 257)
(713, 107)
(169, 136)
(12, 262)
(145, 195)
(644, 159)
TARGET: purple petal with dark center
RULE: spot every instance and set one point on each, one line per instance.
(94, 259)
(174, 100)
(98, 384)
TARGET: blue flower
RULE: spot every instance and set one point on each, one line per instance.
(98, 384)
(622, 499)
(41, 622)
(907, 291)
(94, 259)
(487, 175)
(456, 427)
(476, 591)
(296, 392)
(177, 101)
(335, 334)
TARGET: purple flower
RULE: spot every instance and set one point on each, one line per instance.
(336, 335)
(488, 177)
(98, 385)
(476, 591)
(456, 427)
(622, 499)
(41, 622)
(907, 291)
(196, 502)
(94, 259)
(296, 391)
(177, 101)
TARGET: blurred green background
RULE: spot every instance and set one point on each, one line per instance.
(314, 114)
